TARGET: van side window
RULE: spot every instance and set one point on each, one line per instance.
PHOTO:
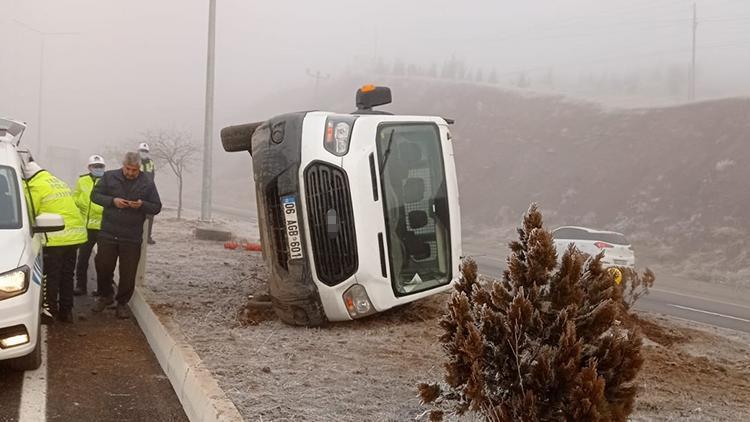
(10, 200)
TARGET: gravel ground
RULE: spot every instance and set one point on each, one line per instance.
(369, 369)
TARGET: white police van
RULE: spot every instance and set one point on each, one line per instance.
(21, 241)
(357, 212)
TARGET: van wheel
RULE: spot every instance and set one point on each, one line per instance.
(238, 138)
(34, 359)
(304, 313)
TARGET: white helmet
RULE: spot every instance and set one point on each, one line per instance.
(143, 147)
(96, 159)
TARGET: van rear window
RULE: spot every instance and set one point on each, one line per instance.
(10, 201)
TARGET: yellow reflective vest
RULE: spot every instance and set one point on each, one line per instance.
(91, 212)
(147, 166)
(50, 194)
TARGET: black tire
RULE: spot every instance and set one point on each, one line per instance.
(302, 313)
(238, 138)
(33, 360)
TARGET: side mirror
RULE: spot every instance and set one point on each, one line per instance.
(48, 222)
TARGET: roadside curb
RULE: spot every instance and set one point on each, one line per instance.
(199, 393)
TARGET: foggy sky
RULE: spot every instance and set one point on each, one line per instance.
(140, 64)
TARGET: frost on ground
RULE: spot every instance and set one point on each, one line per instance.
(693, 372)
(369, 369)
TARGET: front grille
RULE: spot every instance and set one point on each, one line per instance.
(276, 225)
(326, 189)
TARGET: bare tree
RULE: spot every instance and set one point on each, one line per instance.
(176, 149)
(114, 153)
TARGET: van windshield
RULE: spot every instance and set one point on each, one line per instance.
(10, 202)
(415, 204)
(569, 233)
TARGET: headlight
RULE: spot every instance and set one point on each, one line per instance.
(338, 134)
(357, 302)
(14, 283)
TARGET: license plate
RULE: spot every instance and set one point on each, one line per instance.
(293, 238)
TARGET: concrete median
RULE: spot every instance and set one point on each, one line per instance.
(198, 392)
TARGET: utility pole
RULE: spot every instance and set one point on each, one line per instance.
(691, 88)
(317, 76)
(209, 118)
(40, 100)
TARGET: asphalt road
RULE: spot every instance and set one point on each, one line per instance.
(700, 309)
(98, 369)
(704, 308)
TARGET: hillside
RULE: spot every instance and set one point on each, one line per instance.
(671, 178)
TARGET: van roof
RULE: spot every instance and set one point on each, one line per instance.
(11, 130)
(8, 154)
(593, 231)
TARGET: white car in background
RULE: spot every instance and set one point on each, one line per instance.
(618, 252)
(21, 261)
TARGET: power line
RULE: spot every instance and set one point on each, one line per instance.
(619, 13)
(576, 22)
(610, 58)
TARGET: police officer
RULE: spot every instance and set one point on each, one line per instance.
(148, 167)
(92, 217)
(49, 194)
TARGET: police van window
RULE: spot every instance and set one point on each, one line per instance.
(614, 238)
(569, 233)
(578, 234)
(10, 202)
(415, 206)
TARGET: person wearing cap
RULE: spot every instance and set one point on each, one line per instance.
(47, 193)
(128, 196)
(148, 167)
(92, 217)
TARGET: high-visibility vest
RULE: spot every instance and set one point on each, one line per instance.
(91, 212)
(50, 194)
(147, 166)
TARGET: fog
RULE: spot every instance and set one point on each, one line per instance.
(119, 68)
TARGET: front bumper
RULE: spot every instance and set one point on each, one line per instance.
(21, 310)
(379, 291)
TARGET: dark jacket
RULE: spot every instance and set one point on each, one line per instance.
(125, 224)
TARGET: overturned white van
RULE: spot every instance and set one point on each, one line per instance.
(358, 212)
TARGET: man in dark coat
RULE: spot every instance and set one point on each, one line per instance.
(128, 196)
